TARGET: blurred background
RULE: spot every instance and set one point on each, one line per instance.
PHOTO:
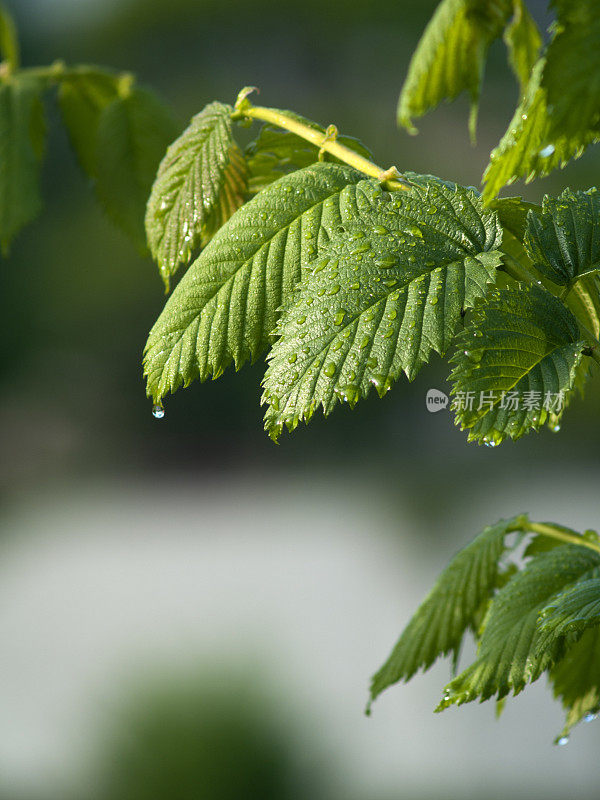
(186, 610)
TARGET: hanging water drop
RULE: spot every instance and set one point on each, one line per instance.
(158, 411)
(563, 741)
(590, 717)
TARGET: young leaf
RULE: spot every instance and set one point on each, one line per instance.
(516, 363)
(564, 239)
(576, 680)
(276, 152)
(523, 41)
(390, 289)
(226, 306)
(200, 183)
(83, 93)
(9, 40)
(572, 73)
(22, 130)
(450, 57)
(133, 133)
(529, 148)
(451, 608)
(507, 656)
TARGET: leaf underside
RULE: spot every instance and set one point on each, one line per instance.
(450, 56)
(530, 148)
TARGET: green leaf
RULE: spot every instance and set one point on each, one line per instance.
(572, 73)
(83, 93)
(200, 183)
(133, 133)
(22, 131)
(564, 239)
(512, 213)
(507, 656)
(568, 614)
(389, 290)
(276, 152)
(9, 40)
(584, 299)
(227, 304)
(523, 41)
(576, 680)
(529, 148)
(451, 608)
(516, 363)
(450, 56)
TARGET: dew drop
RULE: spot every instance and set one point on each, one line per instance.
(590, 717)
(546, 152)
(333, 289)
(339, 318)
(292, 358)
(330, 370)
(301, 320)
(562, 741)
(158, 411)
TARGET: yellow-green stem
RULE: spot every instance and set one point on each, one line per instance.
(556, 532)
(392, 179)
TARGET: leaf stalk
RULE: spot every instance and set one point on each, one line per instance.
(555, 532)
(327, 143)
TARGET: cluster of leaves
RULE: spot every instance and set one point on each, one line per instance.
(349, 276)
(351, 280)
(118, 131)
(558, 114)
(537, 613)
